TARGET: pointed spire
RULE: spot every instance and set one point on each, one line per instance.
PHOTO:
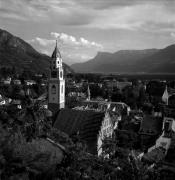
(108, 106)
(56, 53)
(165, 96)
(89, 94)
(114, 109)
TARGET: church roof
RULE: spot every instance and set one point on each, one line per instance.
(86, 123)
(56, 53)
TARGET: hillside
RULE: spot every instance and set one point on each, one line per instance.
(131, 61)
(161, 62)
(16, 52)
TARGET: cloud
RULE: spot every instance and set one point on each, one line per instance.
(63, 12)
(71, 40)
(173, 35)
(95, 14)
(42, 41)
(145, 17)
(21, 10)
(93, 23)
(110, 4)
(72, 49)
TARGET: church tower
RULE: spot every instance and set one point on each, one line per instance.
(56, 91)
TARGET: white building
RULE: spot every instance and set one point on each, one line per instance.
(56, 91)
(109, 124)
(165, 139)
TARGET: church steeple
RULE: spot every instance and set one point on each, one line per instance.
(89, 94)
(56, 92)
(165, 96)
(56, 64)
(56, 53)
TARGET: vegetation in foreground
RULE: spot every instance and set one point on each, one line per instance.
(32, 149)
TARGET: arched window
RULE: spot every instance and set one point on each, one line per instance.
(61, 74)
(53, 89)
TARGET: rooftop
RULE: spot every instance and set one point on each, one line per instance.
(85, 123)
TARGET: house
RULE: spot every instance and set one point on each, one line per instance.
(85, 123)
(110, 84)
(168, 126)
(16, 82)
(16, 103)
(166, 139)
(168, 96)
(29, 82)
(108, 126)
(164, 150)
(79, 85)
(39, 75)
(2, 102)
(127, 130)
(119, 107)
(7, 81)
(171, 100)
(150, 130)
(122, 85)
(154, 156)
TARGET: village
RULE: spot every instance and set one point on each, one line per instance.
(135, 115)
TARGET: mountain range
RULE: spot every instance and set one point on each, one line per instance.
(131, 61)
(15, 52)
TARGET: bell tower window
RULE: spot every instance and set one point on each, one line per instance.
(54, 74)
(53, 90)
(61, 74)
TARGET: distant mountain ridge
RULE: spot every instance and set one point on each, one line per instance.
(131, 61)
(16, 52)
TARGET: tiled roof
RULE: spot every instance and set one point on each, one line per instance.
(151, 125)
(119, 107)
(170, 157)
(87, 123)
(154, 156)
(171, 90)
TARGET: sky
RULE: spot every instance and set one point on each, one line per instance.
(85, 27)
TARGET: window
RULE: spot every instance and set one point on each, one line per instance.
(62, 89)
(53, 89)
(167, 126)
(61, 74)
(54, 74)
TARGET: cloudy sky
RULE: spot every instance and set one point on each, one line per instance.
(85, 27)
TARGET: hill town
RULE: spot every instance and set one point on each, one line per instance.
(56, 123)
